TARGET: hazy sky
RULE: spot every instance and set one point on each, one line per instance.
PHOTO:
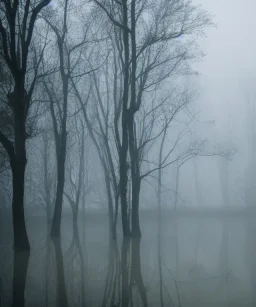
(227, 77)
(228, 72)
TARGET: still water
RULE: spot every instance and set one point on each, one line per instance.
(185, 262)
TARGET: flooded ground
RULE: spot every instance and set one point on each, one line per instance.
(191, 262)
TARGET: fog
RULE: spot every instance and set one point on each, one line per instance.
(127, 145)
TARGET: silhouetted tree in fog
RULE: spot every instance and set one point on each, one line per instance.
(151, 50)
(76, 171)
(17, 25)
(71, 66)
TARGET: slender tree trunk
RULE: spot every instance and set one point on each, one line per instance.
(136, 184)
(159, 200)
(112, 233)
(46, 182)
(134, 153)
(83, 207)
(61, 159)
(56, 222)
(177, 187)
(135, 177)
(116, 210)
(125, 118)
(124, 180)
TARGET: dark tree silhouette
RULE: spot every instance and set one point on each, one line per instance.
(17, 24)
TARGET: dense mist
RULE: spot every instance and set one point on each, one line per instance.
(127, 145)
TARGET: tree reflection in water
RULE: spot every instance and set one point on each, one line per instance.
(21, 260)
(133, 272)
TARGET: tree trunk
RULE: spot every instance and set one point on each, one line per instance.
(123, 193)
(56, 221)
(124, 148)
(116, 210)
(112, 232)
(61, 158)
(18, 165)
(46, 181)
(159, 201)
(177, 187)
(135, 207)
(19, 227)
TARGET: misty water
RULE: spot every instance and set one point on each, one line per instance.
(193, 261)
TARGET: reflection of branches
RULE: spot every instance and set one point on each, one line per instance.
(121, 279)
(175, 282)
(112, 284)
(136, 276)
(76, 265)
(61, 287)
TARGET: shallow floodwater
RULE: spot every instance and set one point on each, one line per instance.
(185, 262)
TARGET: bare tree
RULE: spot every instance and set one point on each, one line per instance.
(49, 177)
(71, 65)
(17, 25)
(76, 164)
(146, 31)
(101, 117)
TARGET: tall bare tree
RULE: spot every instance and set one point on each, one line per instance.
(17, 23)
(71, 65)
(151, 51)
